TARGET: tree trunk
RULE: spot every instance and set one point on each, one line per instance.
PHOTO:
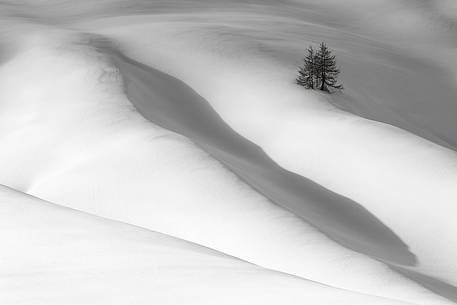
(323, 75)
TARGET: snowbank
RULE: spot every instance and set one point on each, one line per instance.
(93, 152)
(246, 67)
(54, 255)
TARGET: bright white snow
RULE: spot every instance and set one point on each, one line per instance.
(69, 135)
(54, 255)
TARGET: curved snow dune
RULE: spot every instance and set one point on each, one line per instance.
(170, 104)
(395, 59)
(246, 68)
(54, 255)
(369, 35)
(188, 114)
(92, 151)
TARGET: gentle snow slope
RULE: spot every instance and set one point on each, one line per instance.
(169, 103)
(54, 255)
(246, 66)
(92, 151)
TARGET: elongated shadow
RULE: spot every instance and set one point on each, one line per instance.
(171, 104)
(437, 286)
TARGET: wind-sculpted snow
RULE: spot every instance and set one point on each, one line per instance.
(223, 150)
(188, 114)
(169, 103)
(392, 173)
(93, 152)
(55, 255)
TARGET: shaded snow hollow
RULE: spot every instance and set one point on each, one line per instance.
(244, 163)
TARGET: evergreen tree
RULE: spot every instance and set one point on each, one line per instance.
(325, 66)
(307, 75)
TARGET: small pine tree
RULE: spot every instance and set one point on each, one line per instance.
(326, 69)
(307, 74)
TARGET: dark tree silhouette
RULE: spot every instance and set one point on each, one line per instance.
(307, 74)
(319, 70)
(327, 72)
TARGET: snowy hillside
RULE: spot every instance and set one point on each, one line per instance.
(91, 260)
(173, 160)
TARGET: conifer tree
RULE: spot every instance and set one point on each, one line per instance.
(307, 75)
(325, 66)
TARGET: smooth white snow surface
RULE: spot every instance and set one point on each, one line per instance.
(93, 152)
(384, 168)
(54, 255)
(69, 135)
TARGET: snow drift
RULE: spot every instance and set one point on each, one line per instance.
(300, 130)
(70, 134)
(54, 255)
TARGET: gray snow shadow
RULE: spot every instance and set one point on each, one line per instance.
(437, 286)
(396, 88)
(171, 104)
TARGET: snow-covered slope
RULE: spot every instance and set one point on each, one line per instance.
(54, 255)
(70, 134)
(246, 65)
(92, 151)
